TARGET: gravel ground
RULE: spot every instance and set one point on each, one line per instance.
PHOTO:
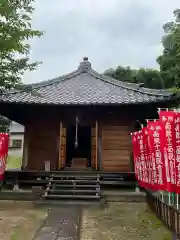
(123, 221)
(19, 220)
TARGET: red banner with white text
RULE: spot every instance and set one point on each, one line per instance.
(140, 151)
(145, 157)
(167, 119)
(136, 154)
(177, 148)
(155, 132)
(156, 151)
(139, 158)
(153, 171)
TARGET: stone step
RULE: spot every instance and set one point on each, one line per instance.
(75, 176)
(55, 191)
(123, 196)
(61, 202)
(74, 186)
(73, 181)
(119, 182)
(70, 196)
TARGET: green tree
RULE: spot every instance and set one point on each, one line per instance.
(151, 78)
(169, 61)
(121, 73)
(15, 31)
(4, 124)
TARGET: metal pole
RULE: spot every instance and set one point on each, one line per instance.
(177, 201)
(173, 195)
(162, 196)
(169, 198)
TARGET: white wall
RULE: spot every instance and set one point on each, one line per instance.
(16, 128)
(16, 132)
(18, 152)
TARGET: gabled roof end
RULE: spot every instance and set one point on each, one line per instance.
(84, 65)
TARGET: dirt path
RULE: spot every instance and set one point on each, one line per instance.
(122, 221)
(61, 224)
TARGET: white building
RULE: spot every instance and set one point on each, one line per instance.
(16, 140)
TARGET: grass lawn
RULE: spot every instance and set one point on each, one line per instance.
(13, 162)
(20, 220)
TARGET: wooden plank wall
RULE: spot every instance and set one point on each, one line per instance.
(116, 148)
(43, 138)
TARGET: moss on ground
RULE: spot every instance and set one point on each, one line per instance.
(124, 221)
(19, 221)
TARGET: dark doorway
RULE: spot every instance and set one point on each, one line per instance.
(83, 149)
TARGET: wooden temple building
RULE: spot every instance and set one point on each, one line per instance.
(81, 121)
(77, 131)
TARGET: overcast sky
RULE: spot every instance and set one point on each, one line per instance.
(109, 33)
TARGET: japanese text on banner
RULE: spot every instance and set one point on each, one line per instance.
(177, 162)
(167, 119)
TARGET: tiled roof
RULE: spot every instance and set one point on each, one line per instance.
(86, 86)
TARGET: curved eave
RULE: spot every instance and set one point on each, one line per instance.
(160, 101)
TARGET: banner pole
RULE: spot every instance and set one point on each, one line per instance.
(172, 198)
(169, 198)
(177, 201)
(162, 196)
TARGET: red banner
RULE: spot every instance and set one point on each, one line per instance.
(158, 167)
(136, 153)
(153, 168)
(156, 151)
(139, 158)
(177, 145)
(167, 119)
(4, 140)
(145, 160)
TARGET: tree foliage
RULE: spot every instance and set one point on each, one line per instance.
(4, 124)
(169, 61)
(15, 31)
(151, 78)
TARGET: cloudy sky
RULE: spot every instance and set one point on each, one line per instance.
(109, 33)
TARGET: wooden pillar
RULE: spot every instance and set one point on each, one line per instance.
(99, 147)
(96, 160)
(62, 147)
(25, 150)
(94, 147)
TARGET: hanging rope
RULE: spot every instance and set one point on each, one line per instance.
(76, 137)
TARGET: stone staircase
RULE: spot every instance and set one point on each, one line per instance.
(72, 187)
